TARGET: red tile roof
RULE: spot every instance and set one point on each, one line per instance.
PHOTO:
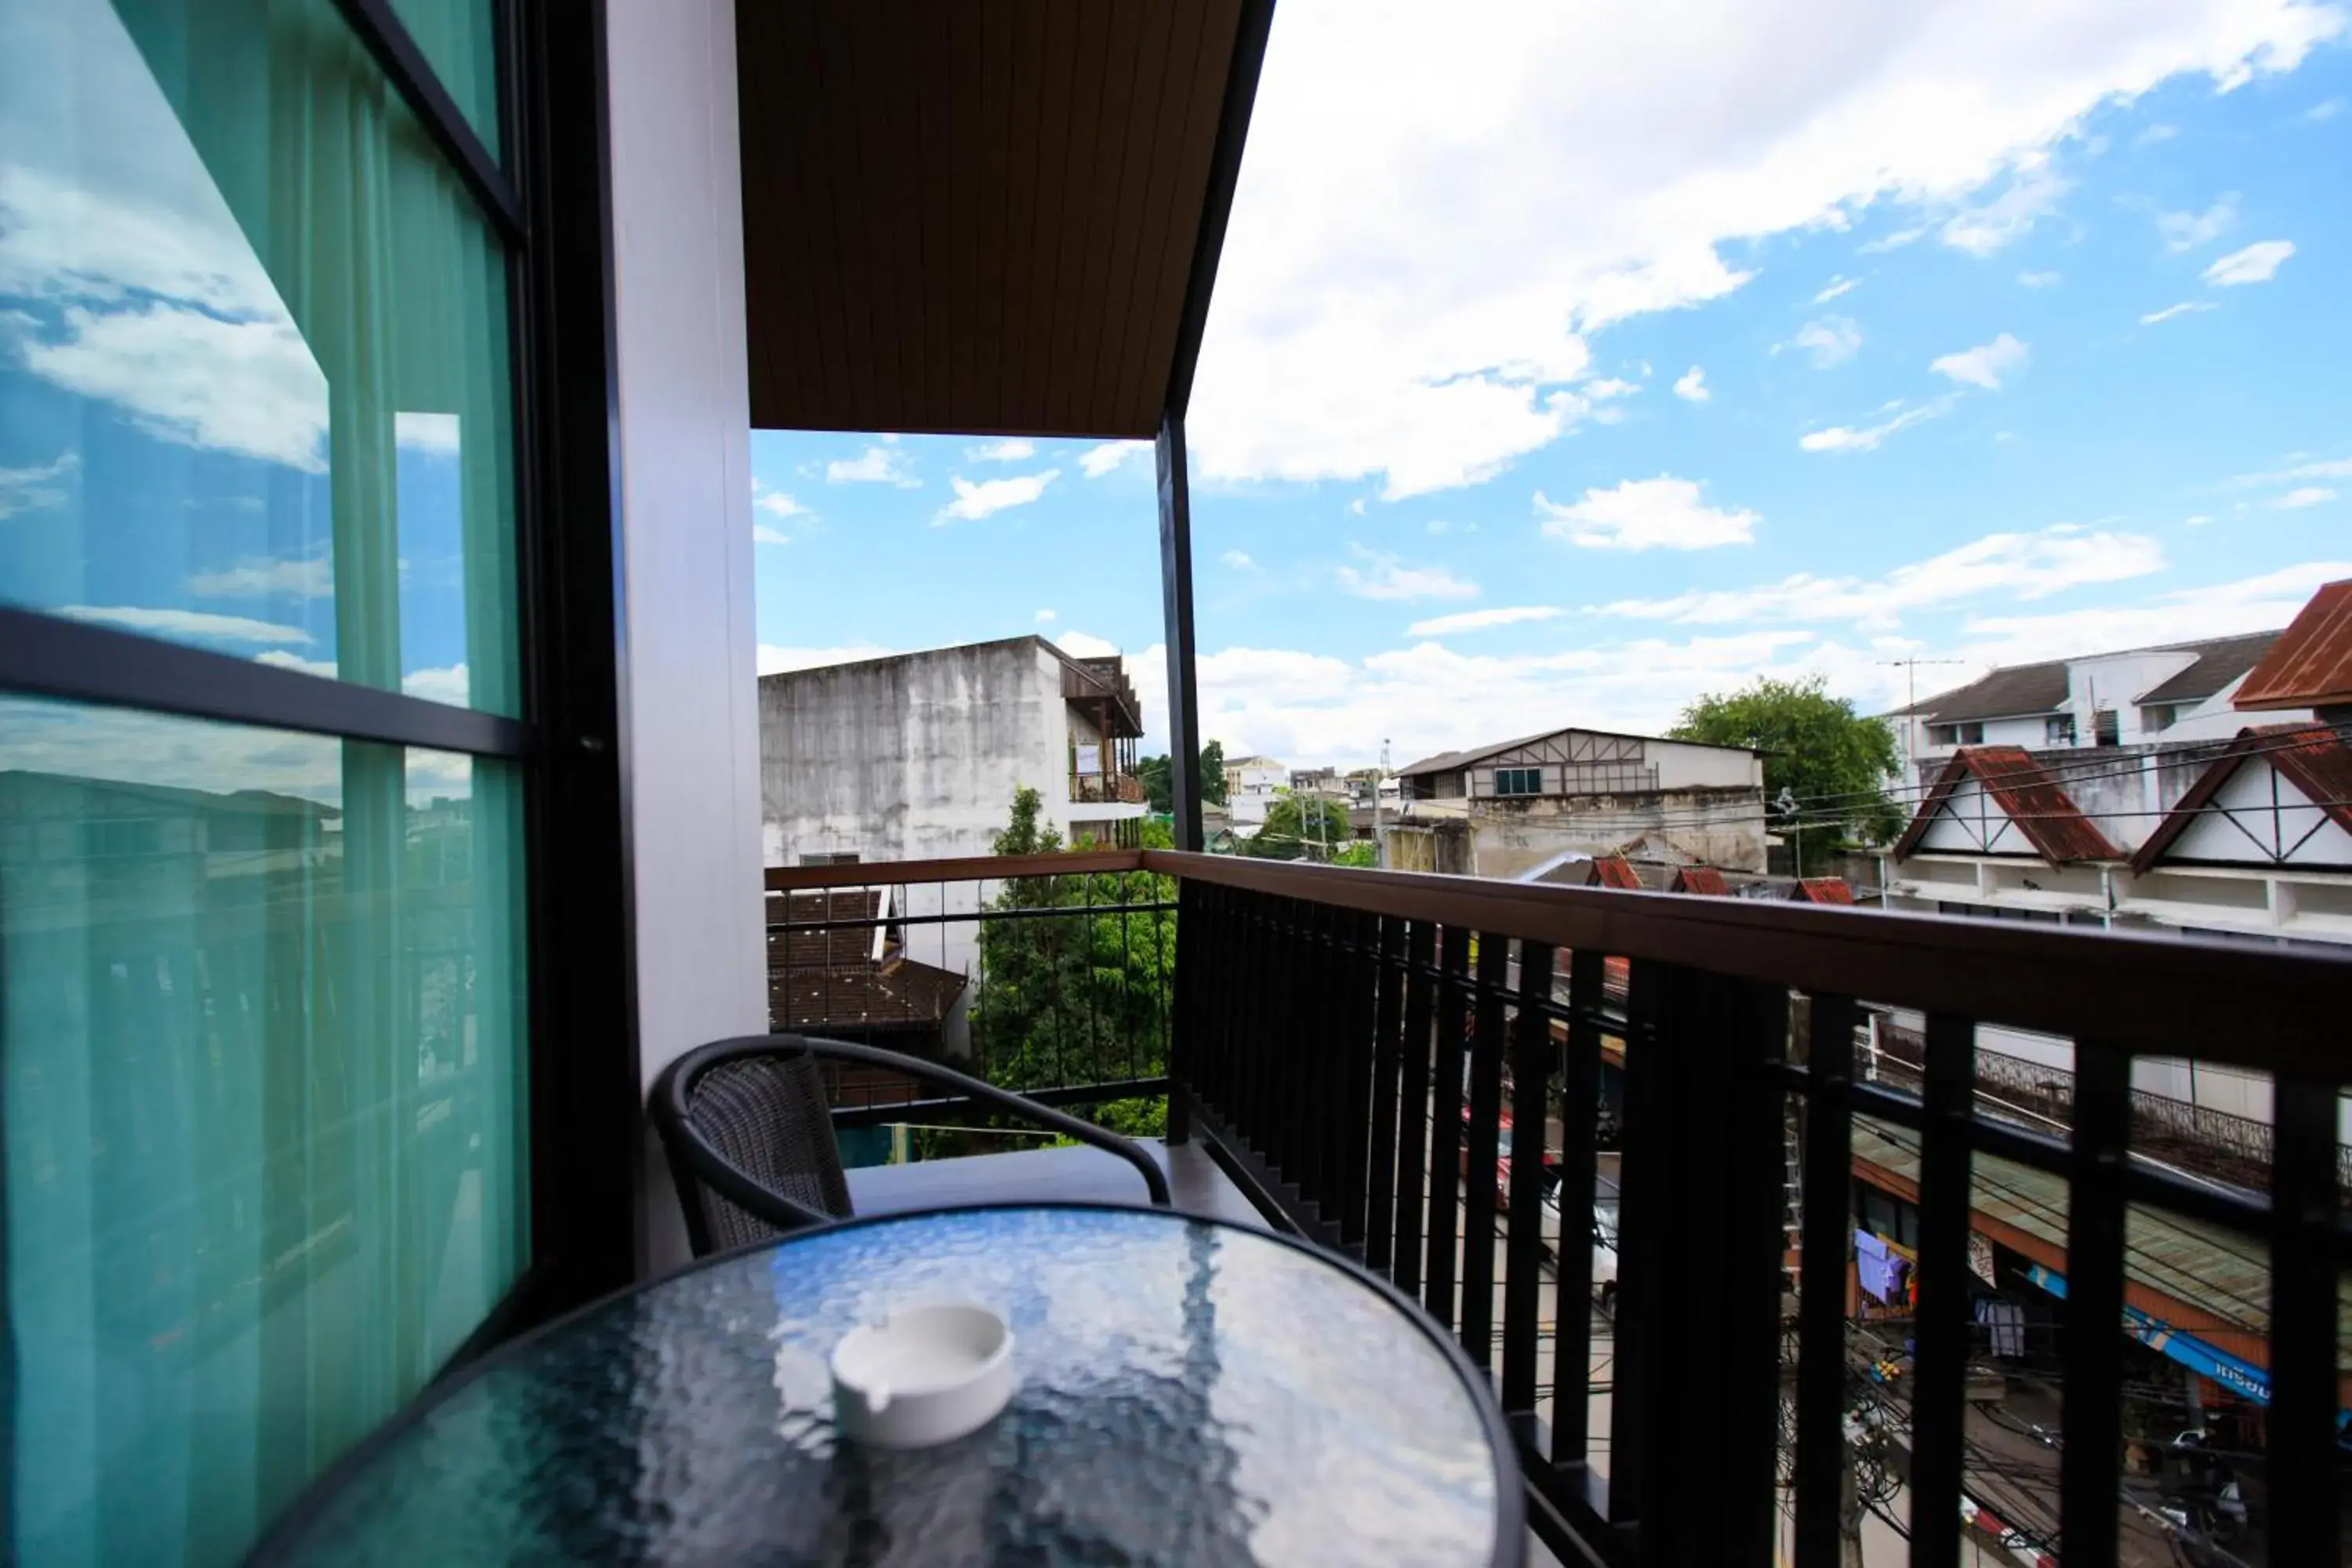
(1702, 879)
(2311, 663)
(1615, 871)
(1824, 890)
(2042, 810)
(2312, 757)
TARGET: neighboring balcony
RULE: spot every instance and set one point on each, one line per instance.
(1666, 1278)
(1107, 789)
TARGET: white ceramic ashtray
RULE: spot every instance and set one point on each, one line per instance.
(927, 1375)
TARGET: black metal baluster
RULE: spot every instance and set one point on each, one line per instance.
(1479, 1161)
(1941, 1329)
(1446, 1122)
(2092, 1316)
(1189, 1054)
(1311, 1081)
(1645, 1154)
(1827, 1242)
(1414, 1103)
(1580, 1115)
(1359, 967)
(1532, 1059)
(2304, 1462)
(1381, 1176)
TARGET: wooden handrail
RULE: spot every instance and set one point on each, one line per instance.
(2221, 1002)
(963, 869)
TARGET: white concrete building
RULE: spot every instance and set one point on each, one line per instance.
(1511, 808)
(917, 756)
(2182, 691)
(1255, 775)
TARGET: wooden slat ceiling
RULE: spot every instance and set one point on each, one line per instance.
(979, 216)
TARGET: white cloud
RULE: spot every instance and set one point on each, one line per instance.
(1984, 365)
(2325, 109)
(1440, 525)
(1083, 645)
(991, 496)
(279, 658)
(776, 660)
(2306, 495)
(447, 683)
(1097, 461)
(38, 486)
(2037, 280)
(2248, 605)
(1865, 438)
(883, 464)
(1046, 617)
(1835, 286)
(195, 626)
(2032, 195)
(2017, 566)
(1691, 387)
(1239, 559)
(2186, 307)
(1480, 620)
(1384, 576)
(776, 503)
(2187, 231)
(2323, 469)
(1439, 204)
(310, 577)
(2156, 133)
(1895, 241)
(1012, 450)
(2255, 264)
(1662, 513)
(1830, 341)
(433, 434)
(762, 535)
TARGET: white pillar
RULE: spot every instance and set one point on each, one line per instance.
(689, 680)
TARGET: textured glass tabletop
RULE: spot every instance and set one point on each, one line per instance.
(1189, 1393)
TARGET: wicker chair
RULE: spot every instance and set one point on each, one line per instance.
(749, 1138)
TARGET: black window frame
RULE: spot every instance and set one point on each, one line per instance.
(1530, 777)
(549, 204)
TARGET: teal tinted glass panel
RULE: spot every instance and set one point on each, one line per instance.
(254, 389)
(264, 1046)
(459, 41)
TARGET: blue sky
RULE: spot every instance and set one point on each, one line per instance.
(1454, 478)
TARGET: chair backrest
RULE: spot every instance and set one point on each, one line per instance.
(765, 1114)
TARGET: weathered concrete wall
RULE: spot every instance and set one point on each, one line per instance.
(913, 757)
(1711, 826)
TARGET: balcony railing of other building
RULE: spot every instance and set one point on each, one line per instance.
(1124, 789)
(1360, 1050)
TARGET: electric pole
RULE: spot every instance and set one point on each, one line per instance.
(1910, 668)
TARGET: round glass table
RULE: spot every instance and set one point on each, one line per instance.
(1189, 1393)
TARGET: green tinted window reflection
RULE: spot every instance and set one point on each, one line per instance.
(459, 42)
(264, 1044)
(253, 386)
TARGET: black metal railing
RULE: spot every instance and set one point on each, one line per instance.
(1050, 974)
(1348, 1043)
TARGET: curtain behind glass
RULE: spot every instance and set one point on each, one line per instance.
(264, 1111)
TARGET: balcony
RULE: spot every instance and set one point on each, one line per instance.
(1349, 1053)
(1107, 789)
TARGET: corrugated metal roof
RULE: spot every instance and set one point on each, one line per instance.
(2019, 691)
(2042, 810)
(2223, 1277)
(1824, 890)
(2313, 757)
(2311, 664)
(1615, 871)
(1704, 879)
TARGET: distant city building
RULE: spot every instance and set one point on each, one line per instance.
(1509, 809)
(1255, 775)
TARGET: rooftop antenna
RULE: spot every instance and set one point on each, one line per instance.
(1910, 668)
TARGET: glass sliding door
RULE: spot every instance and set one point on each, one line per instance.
(264, 762)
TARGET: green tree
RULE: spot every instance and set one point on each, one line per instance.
(1298, 826)
(1834, 762)
(1158, 776)
(1078, 998)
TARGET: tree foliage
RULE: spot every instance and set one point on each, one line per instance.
(1078, 998)
(1302, 827)
(1832, 761)
(1157, 774)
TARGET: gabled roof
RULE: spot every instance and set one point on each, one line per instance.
(1446, 762)
(2017, 691)
(2041, 810)
(1615, 871)
(1704, 879)
(2314, 757)
(2310, 666)
(1824, 890)
(2219, 663)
